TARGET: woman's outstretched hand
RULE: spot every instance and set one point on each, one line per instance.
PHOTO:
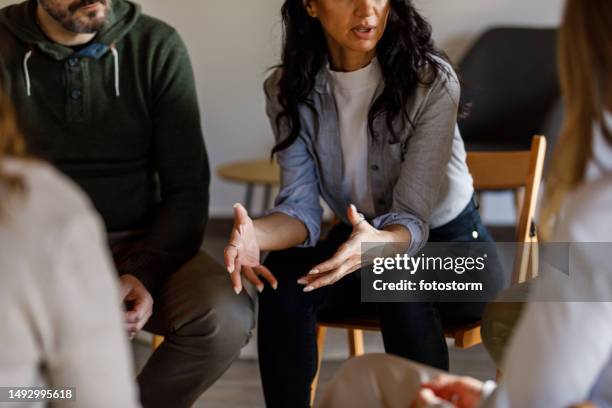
(347, 258)
(242, 253)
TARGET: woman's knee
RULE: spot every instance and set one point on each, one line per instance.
(498, 323)
(288, 264)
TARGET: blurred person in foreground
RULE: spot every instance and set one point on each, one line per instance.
(107, 95)
(561, 351)
(59, 300)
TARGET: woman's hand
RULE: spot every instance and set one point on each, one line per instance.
(347, 258)
(242, 253)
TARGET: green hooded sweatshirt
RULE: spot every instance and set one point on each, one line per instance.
(120, 117)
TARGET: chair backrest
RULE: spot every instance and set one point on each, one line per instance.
(510, 82)
(512, 170)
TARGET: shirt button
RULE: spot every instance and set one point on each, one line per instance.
(375, 167)
(76, 94)
(73, 62)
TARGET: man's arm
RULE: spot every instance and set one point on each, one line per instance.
(180, 160)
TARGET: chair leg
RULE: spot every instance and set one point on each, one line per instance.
(467, 338)
(355, 340)
(518, 194)
(321, 332)
(534, 259)
(157, 341)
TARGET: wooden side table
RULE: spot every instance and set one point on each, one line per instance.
(252, 173)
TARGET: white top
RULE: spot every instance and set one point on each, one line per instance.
(566, 346)
(353, 92)
(59, 301)
(602, 153)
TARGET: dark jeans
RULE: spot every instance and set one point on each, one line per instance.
(288, 316)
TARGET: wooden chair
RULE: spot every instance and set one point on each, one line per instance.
(157, 341)
(492, 171)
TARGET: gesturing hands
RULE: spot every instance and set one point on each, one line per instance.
(138, 303)
(242, 253)
(347, 258)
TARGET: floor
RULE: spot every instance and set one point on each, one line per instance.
(240, 386)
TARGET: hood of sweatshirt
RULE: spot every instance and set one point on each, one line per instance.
(20, 19)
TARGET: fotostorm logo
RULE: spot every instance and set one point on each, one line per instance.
(414, 264)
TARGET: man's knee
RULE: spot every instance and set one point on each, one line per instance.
(200, 303)
(226, 323)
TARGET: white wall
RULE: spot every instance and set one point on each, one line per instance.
(233, 42)
(456, 23)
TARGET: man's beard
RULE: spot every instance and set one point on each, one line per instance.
(83, 23)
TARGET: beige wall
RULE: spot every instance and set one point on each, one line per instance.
(457, 22)
(232, 42)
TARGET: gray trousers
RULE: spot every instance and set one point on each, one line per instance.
(205, 324)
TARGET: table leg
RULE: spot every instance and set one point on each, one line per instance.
(248, 200)
(267, 197)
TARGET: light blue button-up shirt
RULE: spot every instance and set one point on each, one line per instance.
(420, 180)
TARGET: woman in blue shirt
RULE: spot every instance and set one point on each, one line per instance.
(364, 111)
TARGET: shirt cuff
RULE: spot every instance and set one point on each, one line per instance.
(312, 225)
(419, 231)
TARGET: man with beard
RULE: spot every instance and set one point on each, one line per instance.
(107, 95)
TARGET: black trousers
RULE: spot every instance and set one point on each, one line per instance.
(288, 316)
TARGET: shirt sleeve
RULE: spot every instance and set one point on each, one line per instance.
(565, 345)
(298, 196)
(180, 161)
(428, 152)
(85, 345)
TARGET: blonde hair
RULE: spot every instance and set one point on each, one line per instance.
(585, 67)
(11, 144)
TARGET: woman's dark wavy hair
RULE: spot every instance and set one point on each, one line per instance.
(405, 47)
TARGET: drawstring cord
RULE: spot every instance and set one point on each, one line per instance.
(116, 63)
(26, 72)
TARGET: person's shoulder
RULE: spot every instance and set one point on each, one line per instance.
(271, 83)
(8, 44)
(155, 34)
(586, 213)
(439, 74)
(50, 202)
(154, 26)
